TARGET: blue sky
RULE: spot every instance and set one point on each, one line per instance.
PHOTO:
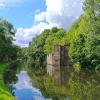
(21, 14)
(31, 17)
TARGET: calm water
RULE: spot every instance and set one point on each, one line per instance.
(23, 89)
(65, 84)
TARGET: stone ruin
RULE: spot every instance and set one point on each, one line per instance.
(58, 58)
(58, 64)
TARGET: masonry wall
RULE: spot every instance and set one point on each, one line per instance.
(64, 59)
(58, 58)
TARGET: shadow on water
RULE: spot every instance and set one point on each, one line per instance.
(23, 89)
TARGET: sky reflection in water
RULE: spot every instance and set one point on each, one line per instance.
(23, 89)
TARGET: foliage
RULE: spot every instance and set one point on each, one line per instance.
(2, 68)
(9, 74)
(8, 51)
(35, 55)
(85, 45)
(56, 37)
(84, 41)
(4, 95)
(4, 92)
(84, 89)
(77, 67)
(8, 55)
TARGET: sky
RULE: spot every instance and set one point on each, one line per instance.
(31, 17)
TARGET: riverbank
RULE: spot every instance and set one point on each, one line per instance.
(4, 90)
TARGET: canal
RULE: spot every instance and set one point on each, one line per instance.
(23, 89)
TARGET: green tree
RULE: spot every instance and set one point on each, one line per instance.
(85, 46)
(42, 45)
(7, 48)
(36, 55)
(56, 37)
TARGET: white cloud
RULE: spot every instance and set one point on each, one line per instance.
(40, 16)
(65, 13)
(60, 13)
(24, 35)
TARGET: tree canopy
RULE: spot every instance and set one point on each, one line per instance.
(7, 48)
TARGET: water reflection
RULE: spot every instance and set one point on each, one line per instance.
(23, 89)
(63, 83)
(60, 75)
(54, 84)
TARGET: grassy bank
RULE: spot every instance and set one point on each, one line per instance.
(4, 90)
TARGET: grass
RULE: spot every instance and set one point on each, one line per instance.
(4, 90)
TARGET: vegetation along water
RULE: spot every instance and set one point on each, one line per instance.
(57, 64)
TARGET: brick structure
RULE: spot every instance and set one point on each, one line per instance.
(58, 58)
(58, 65)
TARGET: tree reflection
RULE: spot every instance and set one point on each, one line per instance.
(66, 84)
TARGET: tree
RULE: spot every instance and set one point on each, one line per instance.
(36, 54)
(56, 37)
(7, 49)
(42, 45)
(85, 47)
